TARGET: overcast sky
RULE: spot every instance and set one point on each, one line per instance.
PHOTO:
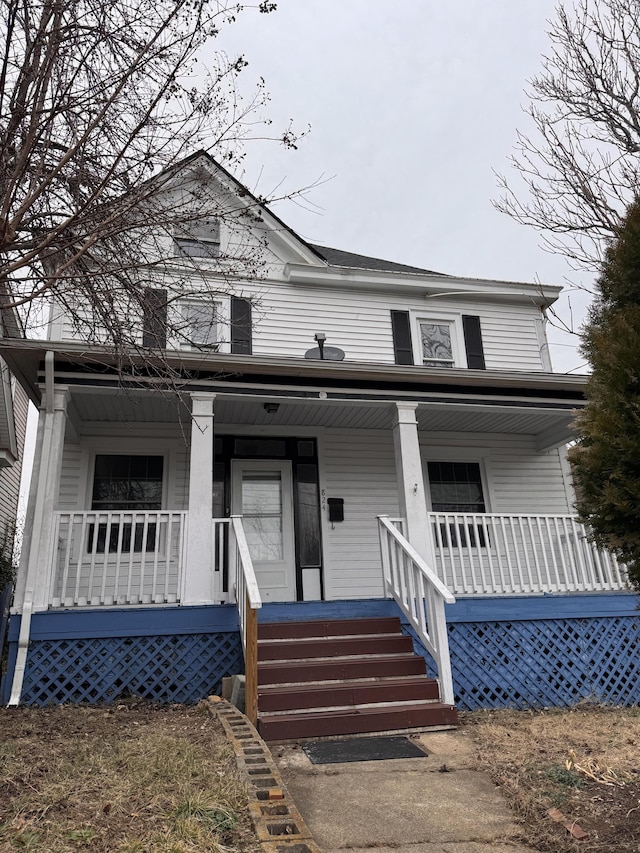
(412, 104)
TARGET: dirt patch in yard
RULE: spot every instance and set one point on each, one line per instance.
(584, 763)
(129, 779)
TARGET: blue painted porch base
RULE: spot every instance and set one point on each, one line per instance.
(164, 654)
(520, 652)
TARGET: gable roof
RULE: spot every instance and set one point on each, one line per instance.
(340, 258)
(331, 256)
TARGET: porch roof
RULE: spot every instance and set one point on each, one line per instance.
(76, 362)
(551, 425)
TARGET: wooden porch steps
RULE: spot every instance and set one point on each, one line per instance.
(345, 676)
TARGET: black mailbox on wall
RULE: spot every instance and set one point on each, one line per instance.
(336, 509)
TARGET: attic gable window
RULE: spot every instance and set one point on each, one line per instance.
(199, 239)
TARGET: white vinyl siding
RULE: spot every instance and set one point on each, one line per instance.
(518, 479)
(360, 323)
(359, 466)
(286, 317)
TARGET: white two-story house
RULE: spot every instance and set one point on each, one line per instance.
(343, 437)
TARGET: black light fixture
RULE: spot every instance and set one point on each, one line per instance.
(271, 408)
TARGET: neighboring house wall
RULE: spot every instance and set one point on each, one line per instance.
(10, 476)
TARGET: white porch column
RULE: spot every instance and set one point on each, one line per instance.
(42, 551)
(413, 503)
(197, 573)
(37, 562)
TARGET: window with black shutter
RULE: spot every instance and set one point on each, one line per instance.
(154, 318)
(401, 331)
(240, 326)
(473, 342)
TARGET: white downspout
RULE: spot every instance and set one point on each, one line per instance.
(27, 606)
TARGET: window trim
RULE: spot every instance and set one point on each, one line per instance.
(130, 531)
(451, 319)
(221, 321)
(445, 455)
(186, 237)
(101, 450)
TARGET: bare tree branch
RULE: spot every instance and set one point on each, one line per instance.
(99, 102)
(578, 170)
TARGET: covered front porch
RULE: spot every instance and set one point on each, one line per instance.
(303, 493)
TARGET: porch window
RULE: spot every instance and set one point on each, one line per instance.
(125, 483)
(457, 487)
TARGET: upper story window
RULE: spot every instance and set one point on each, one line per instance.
(199, 239)
(436, 340)
(200, 325)
(453, 340)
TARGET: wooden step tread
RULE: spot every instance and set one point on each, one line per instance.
(376, 666)
(358, 720)
(275, 697)
(328, 627)
(332, 646)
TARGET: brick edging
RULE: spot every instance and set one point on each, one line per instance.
(276, 820)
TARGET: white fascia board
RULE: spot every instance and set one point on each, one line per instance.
(423, 283)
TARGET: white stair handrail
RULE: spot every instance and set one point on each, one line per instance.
(248, 601)
(421, 596)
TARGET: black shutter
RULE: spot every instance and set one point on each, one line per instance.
(401, 328)
(240, 326)
(473, 342)
(154, 318)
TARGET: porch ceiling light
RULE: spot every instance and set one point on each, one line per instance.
(271, 408)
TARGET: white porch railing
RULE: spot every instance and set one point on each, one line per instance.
(420, 594)
(487, 553)
(106, 558)
(243, 580)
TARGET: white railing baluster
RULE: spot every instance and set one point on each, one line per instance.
(66, 561)
(522, 554)
(97, 557)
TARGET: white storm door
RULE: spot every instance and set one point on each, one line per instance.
(262, 495)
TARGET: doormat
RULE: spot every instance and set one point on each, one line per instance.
(362, 749)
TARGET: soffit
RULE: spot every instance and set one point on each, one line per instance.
(136, 408)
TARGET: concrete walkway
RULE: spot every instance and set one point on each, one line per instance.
(437, 804)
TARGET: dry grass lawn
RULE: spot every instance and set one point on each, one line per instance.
(144, 779)
(584, 762)
(132, 779)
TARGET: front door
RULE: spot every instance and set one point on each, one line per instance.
(262, 495)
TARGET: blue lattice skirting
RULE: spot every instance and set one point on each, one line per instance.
(544, 652)
(162, 655)
(529, 652)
